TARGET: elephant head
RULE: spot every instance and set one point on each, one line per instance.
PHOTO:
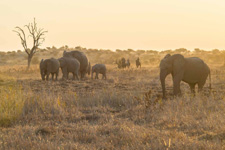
(62, 62)
(65, 54)
(171, 65)
(42, 69)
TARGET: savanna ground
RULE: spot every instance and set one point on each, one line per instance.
(126, 111)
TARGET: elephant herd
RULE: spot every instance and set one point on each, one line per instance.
(191, 70)
(122, 63)
(74, 62)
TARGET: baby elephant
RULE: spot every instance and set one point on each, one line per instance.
(69, 64)
(48, 66)
(98, 68)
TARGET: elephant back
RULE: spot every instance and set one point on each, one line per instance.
(81, 57)
(54, 64)
(99, 67)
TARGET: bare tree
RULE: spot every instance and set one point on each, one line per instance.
(37, 35)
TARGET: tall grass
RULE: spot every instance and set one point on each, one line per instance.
(100, 114)
(11, 100)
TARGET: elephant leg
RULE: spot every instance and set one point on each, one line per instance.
(73, 76)
(105, 76)
(47, 76)
(192, 86)
(65, 73)
(176, 84)
(56, 75)
(43, 77)
(52, 76)
(200, 86)
(97, 75)
(82, 74)
(77, 77)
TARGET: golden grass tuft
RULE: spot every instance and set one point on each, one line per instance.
(11, 101)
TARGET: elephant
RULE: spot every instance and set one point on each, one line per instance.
(138, 63)
(82, 58)
(191, 70)
(68, 65)
(128, 63)
(123, 63)
(48, 66)
(99, 68)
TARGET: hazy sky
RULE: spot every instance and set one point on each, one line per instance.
(118, 24)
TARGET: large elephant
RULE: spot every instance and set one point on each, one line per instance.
(99, 68)
(68, 65)
(191, 70)
(82, 58)
(48, 66)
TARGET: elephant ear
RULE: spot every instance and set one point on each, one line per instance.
(178, 63)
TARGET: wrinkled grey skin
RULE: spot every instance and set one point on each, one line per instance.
(48, 66)
(99, 68)
(191, 70)
(138, 63)
(68, 65)
(81, 57)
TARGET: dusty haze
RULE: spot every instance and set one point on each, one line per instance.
(122, 24)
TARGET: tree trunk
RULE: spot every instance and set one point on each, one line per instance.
(29, 61)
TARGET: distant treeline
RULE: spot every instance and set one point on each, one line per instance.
(147, 57)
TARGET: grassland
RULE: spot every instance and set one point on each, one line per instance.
(126, 111)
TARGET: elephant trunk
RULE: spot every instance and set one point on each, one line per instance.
(162, 79)
(42, 74)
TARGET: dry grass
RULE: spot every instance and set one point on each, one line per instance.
(123, 112)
